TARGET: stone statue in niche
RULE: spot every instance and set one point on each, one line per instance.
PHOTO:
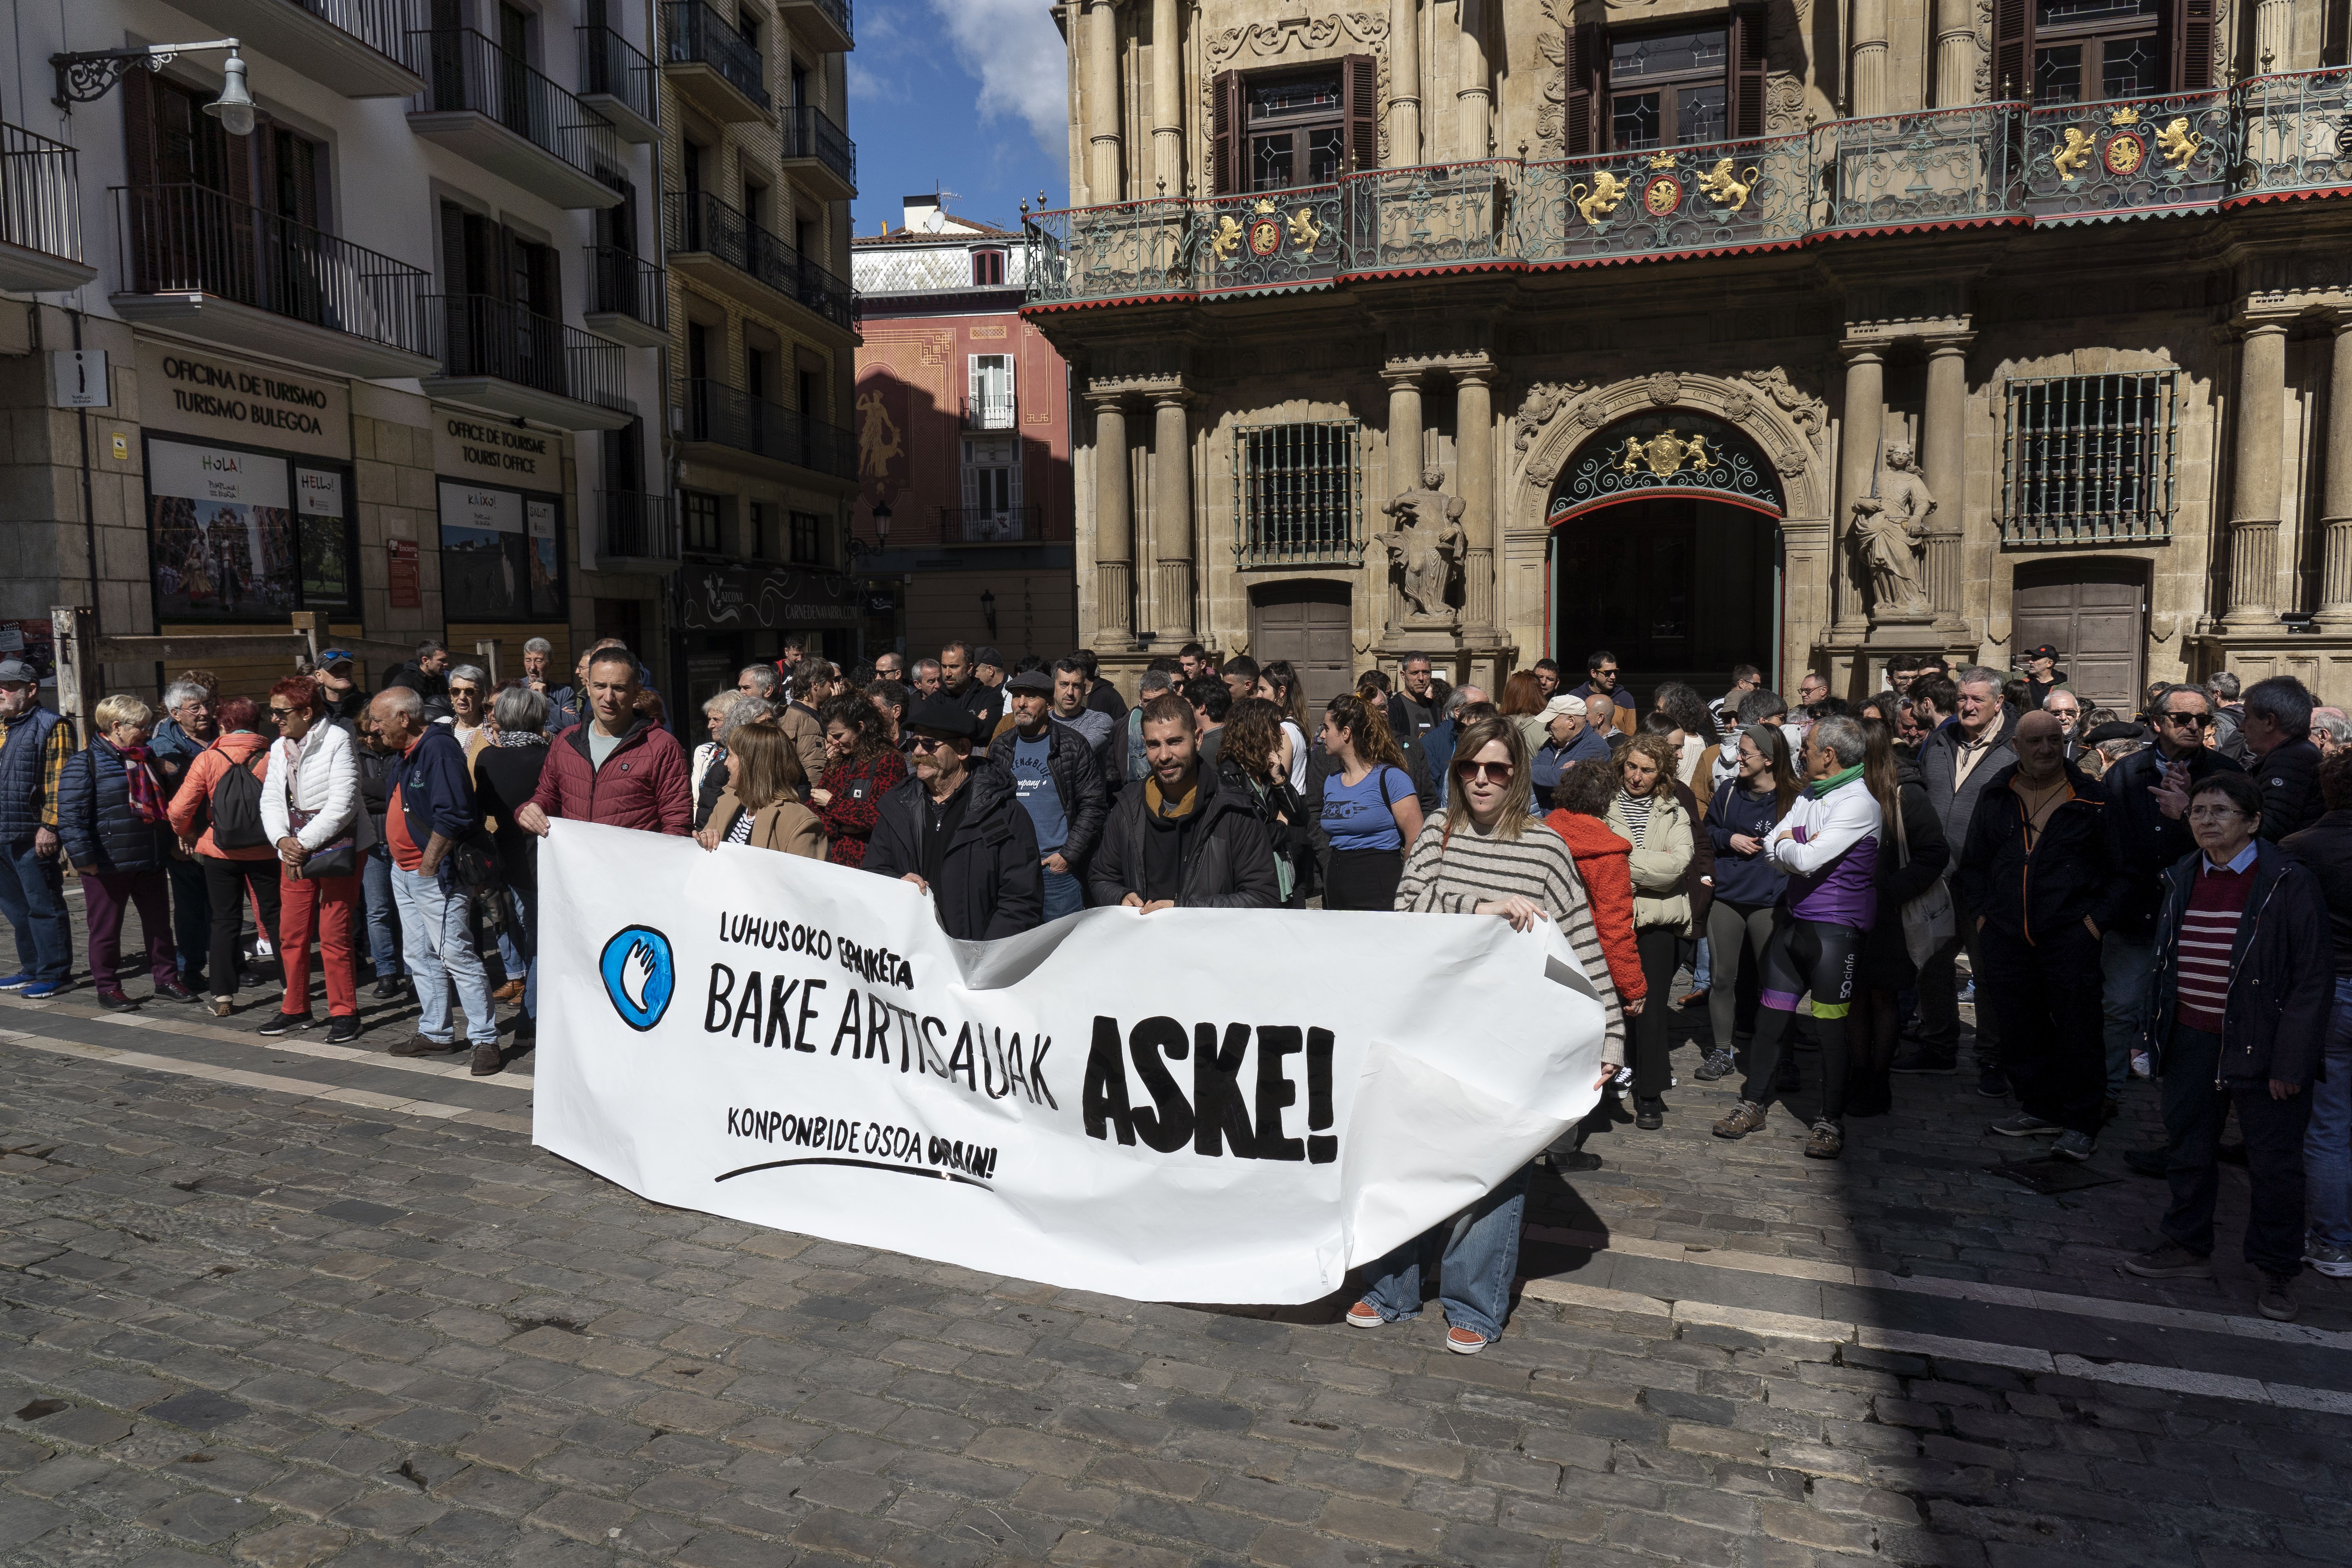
(1890, 536)
(1425, 548)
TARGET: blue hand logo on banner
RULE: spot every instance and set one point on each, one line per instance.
(639, 975)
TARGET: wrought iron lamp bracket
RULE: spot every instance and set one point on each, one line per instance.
(90, 73)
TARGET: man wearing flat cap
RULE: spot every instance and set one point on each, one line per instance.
(1055, 777)
(957, 830)
(34, 744)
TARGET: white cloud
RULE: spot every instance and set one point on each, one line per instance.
(1016, 50)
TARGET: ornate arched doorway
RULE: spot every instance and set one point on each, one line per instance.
(1666, 550)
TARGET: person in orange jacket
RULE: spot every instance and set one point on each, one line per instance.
(1605, 862)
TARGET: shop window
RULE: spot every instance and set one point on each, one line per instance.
(2090, 460)
(699, 514)
(1275, 130)
(501, 554)
(240, 534)
(1296, 489)
(808, 539)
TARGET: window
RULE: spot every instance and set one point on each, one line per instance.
(501, 554)
(992, 492)
(1294, 134)
(701, 514)
(808, 539)
(988, 404)
(988, 268)
(1668, 90)
(760, 524)
(2085, 50)
(2089, 460)
(237, 534)
(1294, 491)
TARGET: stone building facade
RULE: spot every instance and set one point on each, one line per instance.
(1692, 310)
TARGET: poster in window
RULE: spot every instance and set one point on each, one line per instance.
(326, 538)
(546, 599)
(498, 555)
(222, 533)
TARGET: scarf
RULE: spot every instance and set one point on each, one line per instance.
(526, 738)
(146, 799)
(1820, 787)
(1164, 847)
(1163, 812)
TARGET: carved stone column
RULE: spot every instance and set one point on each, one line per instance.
(1114, 527)
(1473, 439)
(1956, 54)
(1943, 463)
(2335, 497)
(1172, 506)
(1405, 83)
(1104, 171)
(2275, 35)
(2260, 476)
(1866, 60)
(1470, 93)
(1863, 428)
(1404, 428)
(1167, 95)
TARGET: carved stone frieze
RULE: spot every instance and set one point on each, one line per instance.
(1556, 419)
(1801, 408)
(1542, 403)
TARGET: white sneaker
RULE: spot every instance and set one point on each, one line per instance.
(2336, 1262)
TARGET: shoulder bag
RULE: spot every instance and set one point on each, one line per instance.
(1928, 920)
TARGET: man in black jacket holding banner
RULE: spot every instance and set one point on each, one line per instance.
(959, 832)
(1179, 841)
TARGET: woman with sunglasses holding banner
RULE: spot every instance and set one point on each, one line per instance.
(1485, 853)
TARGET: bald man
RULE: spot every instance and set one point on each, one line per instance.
(2039, 877)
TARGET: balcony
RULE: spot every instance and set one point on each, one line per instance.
(195, 261)
(361, 48)
(2093, 163)
(1709, 199)
(716, 245)
(991, 411)
(822, 24)
(1935, 169)
(819, 152)
(639, 532)
(962, 525)
(616, 80)
(719, 415)
(489, 106)
(711, 65)
(2294, 136)
(509, 360)
(628, 298)
(40, 215)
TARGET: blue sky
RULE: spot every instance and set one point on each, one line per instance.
(961, 94)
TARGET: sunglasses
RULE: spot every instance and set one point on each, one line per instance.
(929, 743)
(1493, 773)
(2202, 720)
(281, 714)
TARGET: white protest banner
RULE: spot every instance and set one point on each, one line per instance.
(1196, 1105)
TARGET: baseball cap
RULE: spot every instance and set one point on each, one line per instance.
(330, 658)
(15, 671)
(1031, 680)
(987, 656)
(941, 715)
(2044, 651)
(1563, 704)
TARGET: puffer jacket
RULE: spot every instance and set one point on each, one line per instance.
(193, 804)
(322, 774)
(991, 884)
(1750, 879)
(2065, 879)
(1229, 863)
(2289, 776)
(95, 822)
(642, 785)
(1661, 863)
(1604, 862)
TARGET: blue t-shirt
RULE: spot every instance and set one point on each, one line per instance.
(1359, 816)
(1033, 781)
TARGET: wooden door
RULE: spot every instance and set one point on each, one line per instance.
(2096, 614)
(1309, 625)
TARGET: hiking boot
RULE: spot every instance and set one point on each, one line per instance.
(1745, 1118)
(1716, 1064)
(1926, 1060)
(1649, 1114)
(342, 1029)
(1825, 1143)
(2169, 1261)
(486, 1060)
(2075, 1146)
(2025, 1126)
(2277, 1302)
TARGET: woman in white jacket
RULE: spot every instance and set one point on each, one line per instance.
(310, 808)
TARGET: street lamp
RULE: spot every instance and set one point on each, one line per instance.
(88, 75)
(882, 524)
(988, 610)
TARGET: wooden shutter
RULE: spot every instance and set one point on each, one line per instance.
(2013, 48)
(2186, 45)
(1746, 87)
(1588, 88)
(1359, 110)
(1227, 124)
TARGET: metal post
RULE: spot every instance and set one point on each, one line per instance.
(74, 628)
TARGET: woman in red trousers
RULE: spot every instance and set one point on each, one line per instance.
(310, 807)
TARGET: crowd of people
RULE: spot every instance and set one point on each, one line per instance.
(2165, 893)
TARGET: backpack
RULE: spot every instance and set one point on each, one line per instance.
(236, 807)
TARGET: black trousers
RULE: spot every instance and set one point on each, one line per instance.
(1660, 951)
(1805, 957)
(1362, 879)
(2047, 997)
(225, 882)
(2194, 1109)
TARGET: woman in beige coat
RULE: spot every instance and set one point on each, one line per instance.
(1646, 816)
(761, 805)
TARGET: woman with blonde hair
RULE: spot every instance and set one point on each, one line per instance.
(1368, 812)
(761, 805)
(1646, 814)
(111, 822)
(1485, 853)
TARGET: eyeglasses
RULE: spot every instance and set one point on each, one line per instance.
(929, 742)
(2213, 812)
(1493, 773)
(281, 714)
(2196, 720)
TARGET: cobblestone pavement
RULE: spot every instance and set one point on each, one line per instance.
(280, 1303)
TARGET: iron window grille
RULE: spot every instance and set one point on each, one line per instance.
(1296, 492)
(2091, 460)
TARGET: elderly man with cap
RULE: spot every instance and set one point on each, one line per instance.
(337, 678)
(958, 832)
(1568, 739)
(2039, 877)
(34, 744)
(1056, 776)
(2042, 675)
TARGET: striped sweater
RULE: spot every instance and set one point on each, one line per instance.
(1536, 866)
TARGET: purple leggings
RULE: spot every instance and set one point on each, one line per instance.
(105, 895)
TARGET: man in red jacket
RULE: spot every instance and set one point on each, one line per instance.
(617, 768)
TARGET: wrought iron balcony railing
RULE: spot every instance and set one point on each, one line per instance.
(2129, 157)
(837, 12)
(190, 239)
(1936, 168)
(387, 27)
(991, 411)
(40, 205)
(491, 337)
(989, 525)
(466, 71)
(718, 413)
(693, 32)
(2293, 135)
(699, 221)
(611, 66)
(1715, 197)
(807, 134)
(638, 526)
(619, 280)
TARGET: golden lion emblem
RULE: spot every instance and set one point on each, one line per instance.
(1718, 184)
(2179, 143)
(1227, 239)
(2069, 160)
(1305, 232)
(1602, 196)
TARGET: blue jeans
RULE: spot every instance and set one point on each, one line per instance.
(383, 913)
(2327, 1146)
(438, 931)
(1702, 968)
(1064, 894)
(2128, 967)
(33, 901)
(522, 916)
(192, 916)
(1482, 1257)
